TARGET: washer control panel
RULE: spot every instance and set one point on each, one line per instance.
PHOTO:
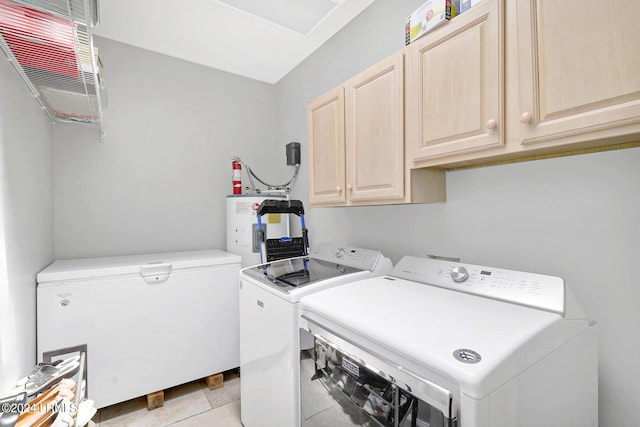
(365, 259)
(518, 287)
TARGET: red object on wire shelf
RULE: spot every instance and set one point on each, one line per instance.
(39, 39)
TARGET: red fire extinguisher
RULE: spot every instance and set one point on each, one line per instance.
(237, 176)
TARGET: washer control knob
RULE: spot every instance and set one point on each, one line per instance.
(340, 253)
(459, 274)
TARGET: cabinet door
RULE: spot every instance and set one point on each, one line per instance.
(326, 149)
(374, 129)
(579, 70)
(456, 86)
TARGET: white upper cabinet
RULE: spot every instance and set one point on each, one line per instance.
(510, 80)
(357, 147)
(579, 70)
(374, 130)
(456, 82)
(326, 149)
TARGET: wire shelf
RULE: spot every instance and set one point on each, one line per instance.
(50, 45)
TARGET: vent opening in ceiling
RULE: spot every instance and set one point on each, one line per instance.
(300, 16)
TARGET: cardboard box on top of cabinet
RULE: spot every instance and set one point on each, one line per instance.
(466, 5)
(428, 16)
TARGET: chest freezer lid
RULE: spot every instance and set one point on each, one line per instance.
(88, 268)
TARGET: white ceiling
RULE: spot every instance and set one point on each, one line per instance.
(259, 39)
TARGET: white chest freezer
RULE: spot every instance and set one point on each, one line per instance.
(149, 322)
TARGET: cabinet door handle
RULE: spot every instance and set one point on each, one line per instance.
(492, 124)
(526, 117)
(349, 188)
(339, 189)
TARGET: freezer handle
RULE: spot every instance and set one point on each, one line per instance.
(156, 272)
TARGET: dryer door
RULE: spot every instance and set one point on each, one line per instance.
(348, 387)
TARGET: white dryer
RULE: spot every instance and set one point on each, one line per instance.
(439, 343)
(269, 334)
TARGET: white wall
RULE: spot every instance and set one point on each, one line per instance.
(26, 221)
(575, 217)
(159, 181)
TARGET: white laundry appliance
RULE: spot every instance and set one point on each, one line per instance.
(149, 322)
(438, 343)
(243, 236)
(269, 334)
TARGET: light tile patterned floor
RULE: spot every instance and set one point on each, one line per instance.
(188, 405)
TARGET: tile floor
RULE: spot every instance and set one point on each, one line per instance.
(188, 405)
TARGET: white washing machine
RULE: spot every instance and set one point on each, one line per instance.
(269, 334)
(439, 343)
